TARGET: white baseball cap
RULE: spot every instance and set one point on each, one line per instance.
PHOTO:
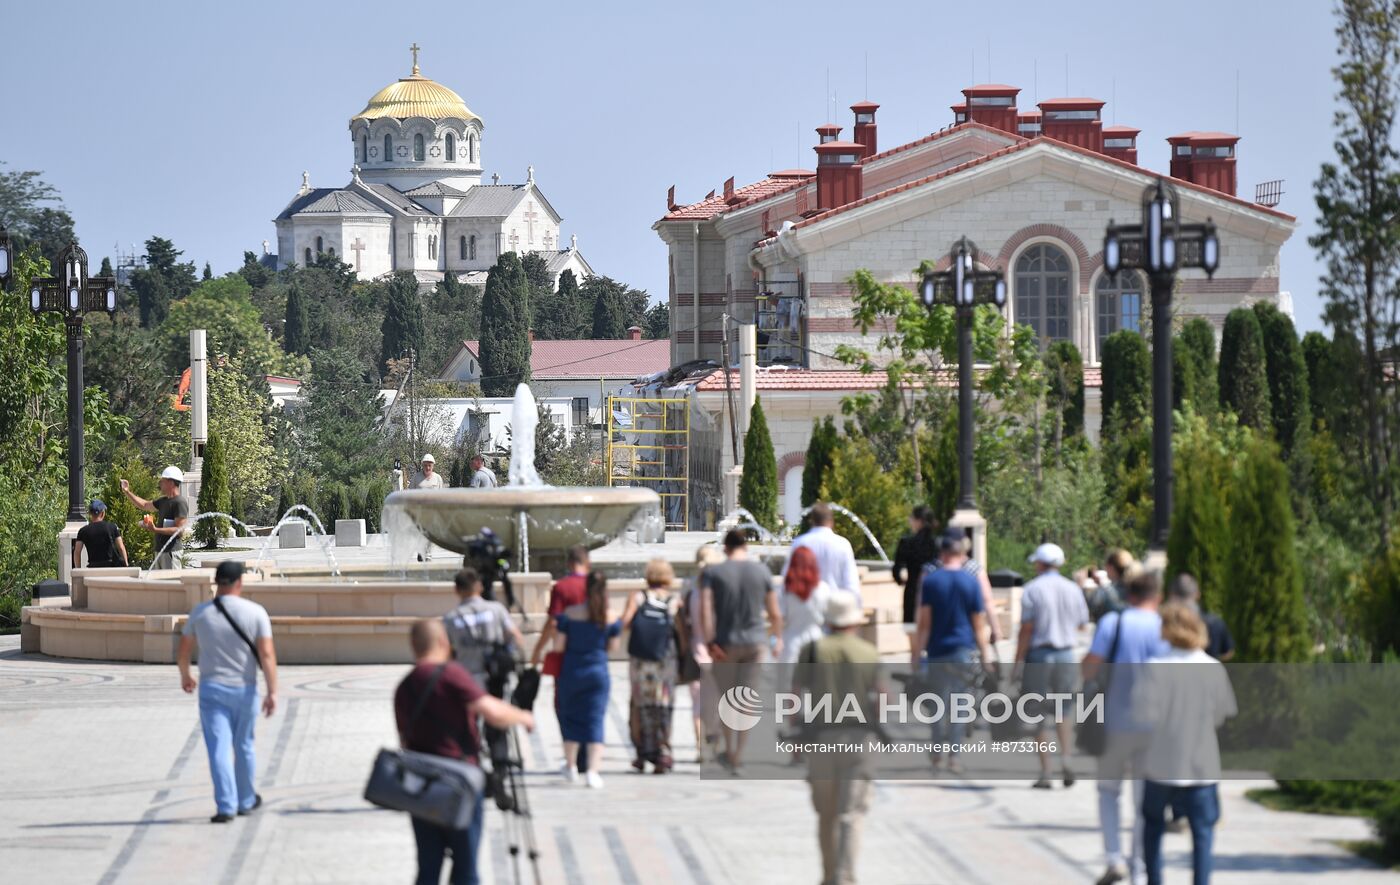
(1048, 554)
(174, 473)
(428, 458)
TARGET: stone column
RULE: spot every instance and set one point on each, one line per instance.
(199, 413)
(748, 372)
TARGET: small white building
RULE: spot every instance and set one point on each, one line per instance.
(583, 372)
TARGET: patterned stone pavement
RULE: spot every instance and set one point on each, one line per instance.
(104, 781)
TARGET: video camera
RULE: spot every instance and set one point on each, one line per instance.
(491, 559)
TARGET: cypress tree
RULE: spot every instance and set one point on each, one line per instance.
(335, 504)
(1244, 386)
(1199, 543)
(611, 315)
(758, 487)
(106, 269)
(296, 333)
(1127, 382)
(818, 461)
(570, 324)
(208, 272)
(505, 332)
(402, 329)
(1064, 374)
(1263, 602)
(1193, 367)
(285, 501)
(213, 493)
(1287, 373)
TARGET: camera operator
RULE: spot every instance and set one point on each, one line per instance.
(491, 560)
(483, 638)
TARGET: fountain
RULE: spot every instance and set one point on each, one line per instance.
(526, 514)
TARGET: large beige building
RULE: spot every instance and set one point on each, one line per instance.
(1033, 190)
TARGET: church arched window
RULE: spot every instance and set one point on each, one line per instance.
(364, 148)
(318, 246)
(308, 256)
(1042, 292)
(451, 148)
(462, 249)
(418, 147)
(471, 149)
(472, 244)
(331, 252)
(388, 147)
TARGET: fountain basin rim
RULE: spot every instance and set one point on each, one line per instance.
(523, 497)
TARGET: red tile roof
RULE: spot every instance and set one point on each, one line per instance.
(594, 358)
(774, 378)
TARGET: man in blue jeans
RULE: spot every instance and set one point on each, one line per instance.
(234, 637)
(950, 629)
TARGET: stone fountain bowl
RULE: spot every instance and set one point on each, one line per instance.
(558, 517)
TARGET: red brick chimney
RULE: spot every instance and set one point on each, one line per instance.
(959, 113)
(1074, 121)
(1120, 142)
(1205, 158)
(838, 174)
(864, 133)
(1028, 124)
(634, 333)
(992, 104)
(828, 132)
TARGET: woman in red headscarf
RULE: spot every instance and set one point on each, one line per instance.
(803, 603)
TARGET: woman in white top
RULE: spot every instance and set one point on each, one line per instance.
(803, 604)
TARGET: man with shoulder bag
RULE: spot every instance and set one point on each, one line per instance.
(436, 708)
(234, 637)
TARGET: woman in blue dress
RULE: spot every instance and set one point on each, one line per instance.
(585, 632)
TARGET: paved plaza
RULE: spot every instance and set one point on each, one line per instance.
(105, 782)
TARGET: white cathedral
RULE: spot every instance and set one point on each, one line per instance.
(415, 201)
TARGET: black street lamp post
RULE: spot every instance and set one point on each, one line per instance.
(963, 287)
(1160, 246)
(73, 293)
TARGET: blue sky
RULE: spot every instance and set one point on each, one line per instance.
(194, 121)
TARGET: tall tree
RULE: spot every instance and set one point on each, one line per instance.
(223, 307)
(758, 487)
(1263, 600)
(573, 321)
(164, 280)
(402, 330)
(505, 334)
(1244, 383)
(611, 315)
(208, 272)
(1127, 382)
(30, 208)
(1358, 199)
(241, 414)
(1064, 392)
(296, 331)
(213, 493)
(819, 448)
(106, 269)
(1204, 458)
(1193, 367)
(658, 324)
(1287, 373)
(341, 417)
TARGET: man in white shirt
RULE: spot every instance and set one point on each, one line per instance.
(835, 558)
(429, 478)
(481, 477)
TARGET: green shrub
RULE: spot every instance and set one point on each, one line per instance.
(140, 543)
(213, 494)
(1387, 824)
(1244, 383)
(1127, 383)
(874, 492)
(758, 487)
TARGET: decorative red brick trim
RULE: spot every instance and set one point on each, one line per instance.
(1230, 286)
(846, 324)
(686, 299)
(786, 463)
(1054, 231)
(686, 337)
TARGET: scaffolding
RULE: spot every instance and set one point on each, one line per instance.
(649, 446)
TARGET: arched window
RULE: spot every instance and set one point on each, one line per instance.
(432, 247)
(471, 147)
(418, 147)
(308, 256)
(1119, 300)
(472, 244)
(388, 147)
(318, 246)
(1042, 291)
(451, 148)
(331, 251)
(462, 249)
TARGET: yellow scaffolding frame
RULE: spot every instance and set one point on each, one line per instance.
(659, 458)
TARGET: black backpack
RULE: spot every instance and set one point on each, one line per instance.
(653, 631)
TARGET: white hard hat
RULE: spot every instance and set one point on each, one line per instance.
(174, 473)
(428, 458)
(1048, 554)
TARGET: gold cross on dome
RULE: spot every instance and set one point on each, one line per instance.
(414, 49)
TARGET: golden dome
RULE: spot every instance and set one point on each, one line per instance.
(416, 96)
